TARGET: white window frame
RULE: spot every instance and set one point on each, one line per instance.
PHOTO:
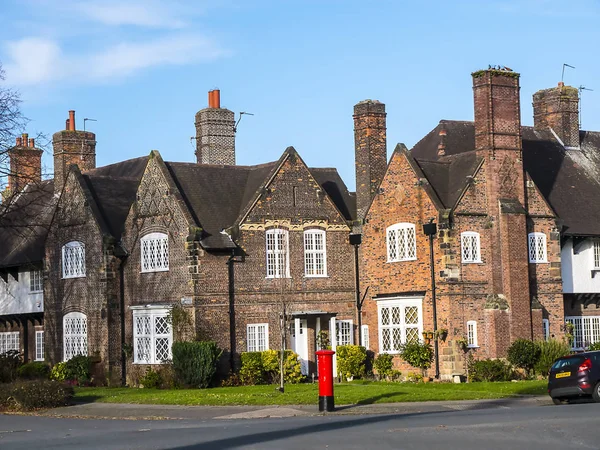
(470, 243)
(312, 254)
(36, 281)
(586, 331)
(344, 330)
(9, 340)
(158, 242)
(397, 339)
(72, 339)
(546, 329)
(149, 354)
(537, 243)
(39, 345)
(364, 334)
(73, 250)
(401, 242)
(277, 245)
(596, 254)
(472, 334)
(253, 338)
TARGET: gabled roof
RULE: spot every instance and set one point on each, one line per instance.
(569, 180)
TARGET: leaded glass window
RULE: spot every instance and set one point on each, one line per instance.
(155, 252)
(470, 248)
(315, 253)
(400, 321)
(401, 242)
(75, 341)
(152, 336)
(537, 248)
(73, 260)
(277, 253)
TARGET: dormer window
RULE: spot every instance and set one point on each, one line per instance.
(470, 247)
(155, 252)
(73, 260)
(401, 242)
(537, 248)
(36, 281)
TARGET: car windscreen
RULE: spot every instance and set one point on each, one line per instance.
(564, 363)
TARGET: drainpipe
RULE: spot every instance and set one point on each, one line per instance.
(122, 261)
(231, 287)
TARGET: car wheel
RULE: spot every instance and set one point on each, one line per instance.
(557, 401)
(596, 393)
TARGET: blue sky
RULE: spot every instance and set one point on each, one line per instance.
(142, 68)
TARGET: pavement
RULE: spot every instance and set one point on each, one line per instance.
(173, 412)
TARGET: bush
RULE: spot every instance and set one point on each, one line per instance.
(292, 369)
(59, 372)
(263, 367)
(593, 347)
(384, 364)
(151, 379)
(9, 363)
(78, 369)
(417, 355)
(252, 370)
(489, 370)
(34, 371)
(549, 351)
(27, 395)
(351, 360)
(195, 363)
(524, 354)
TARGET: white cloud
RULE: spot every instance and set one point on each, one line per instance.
(36, 61)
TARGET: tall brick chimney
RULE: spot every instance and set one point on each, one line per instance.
(558, 108)
(498, 142)
(215, 135)
(72, 147)
(25, 164)
(370, 151)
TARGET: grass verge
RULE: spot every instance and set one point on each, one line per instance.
(358, 392)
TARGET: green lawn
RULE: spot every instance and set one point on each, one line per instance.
(305, 394)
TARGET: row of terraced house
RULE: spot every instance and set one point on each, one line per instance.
(93, 260)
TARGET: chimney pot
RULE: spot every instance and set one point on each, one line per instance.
(72, 120)
(561, 84)
(32, 142)
(24, 138)
(210, 99)
(216, 98)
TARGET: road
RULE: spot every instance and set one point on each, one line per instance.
(531, 427)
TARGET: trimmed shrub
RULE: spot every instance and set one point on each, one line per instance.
(59, 372)
(417, 355)
(384, 364)
(292, 369)
(151, 379)
(34, 371)
(252, 370)
(489, 370)
(195, 363)
(351, 361)
(524, 354)
(593, 347)
(28, 395)
(263, 367)
(549, 351)
(9, 363)
(79, 369)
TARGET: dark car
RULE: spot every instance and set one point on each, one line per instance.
(575, 376)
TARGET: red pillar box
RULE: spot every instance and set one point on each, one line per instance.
(325, 361)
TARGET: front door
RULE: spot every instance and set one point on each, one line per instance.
(300, 343)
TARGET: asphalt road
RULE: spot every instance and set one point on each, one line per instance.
(539, 427)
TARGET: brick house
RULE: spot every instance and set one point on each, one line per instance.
(233, 246)
(506, 199)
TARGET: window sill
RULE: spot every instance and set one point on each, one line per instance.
(316, 276)
(472, 346)
(538, 262)
(73, 276)
(400, 260)
(278, 278)
(154, 271)
(35, 292)
(39, 360)
(148, 363)
(472, 262)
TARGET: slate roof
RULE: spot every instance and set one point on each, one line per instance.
(569, 180)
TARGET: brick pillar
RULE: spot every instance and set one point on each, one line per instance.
(72, 147)
(215, 133)
(370, 151)
(558, 108)
(25, 164)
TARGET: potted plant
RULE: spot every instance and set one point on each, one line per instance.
(463, 344)
(441, 334)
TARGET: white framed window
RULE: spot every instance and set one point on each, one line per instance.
(9, 340)
(344, 332)
(39, 345)
(73, 260)
(597, 254)
(257, 337)
(546, 329)
(364, 336)
(315, 253)
(537, 248)
(401, 242)
(278, 264)
(155, 252)
(472, 334)
(75, 341)
(400, 321)
(36, 281)
(586, 330)
(470, 248)
(152, 336)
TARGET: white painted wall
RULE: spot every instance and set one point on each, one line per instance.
(577, 269)
(15, 297)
